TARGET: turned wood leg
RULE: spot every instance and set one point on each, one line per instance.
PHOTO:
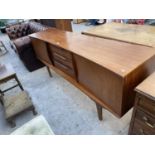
(49, 72)
(99, 111)
(21, 87)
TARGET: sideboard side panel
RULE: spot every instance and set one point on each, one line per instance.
(133, 79)
(41, 51)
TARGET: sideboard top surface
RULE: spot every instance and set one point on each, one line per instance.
(118, 57)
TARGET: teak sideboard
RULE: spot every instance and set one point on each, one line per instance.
(105, 70)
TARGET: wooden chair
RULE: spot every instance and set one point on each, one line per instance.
(15, 105)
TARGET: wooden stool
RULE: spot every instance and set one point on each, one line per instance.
(14, 105)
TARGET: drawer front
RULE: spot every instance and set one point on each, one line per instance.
(64, 68)
(140, 129)
(147, 104)
(146, 119)
(62, 60)
(61, 52)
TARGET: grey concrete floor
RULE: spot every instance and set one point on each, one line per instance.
(67, 110)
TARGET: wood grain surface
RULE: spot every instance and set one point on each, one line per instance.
(119, 57)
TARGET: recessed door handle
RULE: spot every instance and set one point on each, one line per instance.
(61, 57)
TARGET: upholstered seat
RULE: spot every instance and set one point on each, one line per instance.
(15, 105)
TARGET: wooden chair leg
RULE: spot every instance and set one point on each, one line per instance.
(34, 111)
(21, 87)
(49, 72)
(1, 98)
(11, 122)
(99, 111)
(1, 101)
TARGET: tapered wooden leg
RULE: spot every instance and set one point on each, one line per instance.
(21, 87)
(1, 97)
(49, 72)
(34, 111)
(99, 111)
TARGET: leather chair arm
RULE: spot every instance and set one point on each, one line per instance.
(22, 43)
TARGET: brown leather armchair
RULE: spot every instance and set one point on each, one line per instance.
(19, 36)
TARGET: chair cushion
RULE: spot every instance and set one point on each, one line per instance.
(16, 104)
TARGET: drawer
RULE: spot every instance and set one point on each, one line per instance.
(146, 119)
(63, 60)
(61, 52)
(147, 104)
(64, 68)
(140, 129)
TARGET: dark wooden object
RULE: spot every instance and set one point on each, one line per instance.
(62, 24)
(143, 118)
(49, 72)
(105, 70)
(99, 111)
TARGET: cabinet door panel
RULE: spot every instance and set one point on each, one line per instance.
(104, 84)
(41, 50)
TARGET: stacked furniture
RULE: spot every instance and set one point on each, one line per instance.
(19, 36)
(105, 70)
